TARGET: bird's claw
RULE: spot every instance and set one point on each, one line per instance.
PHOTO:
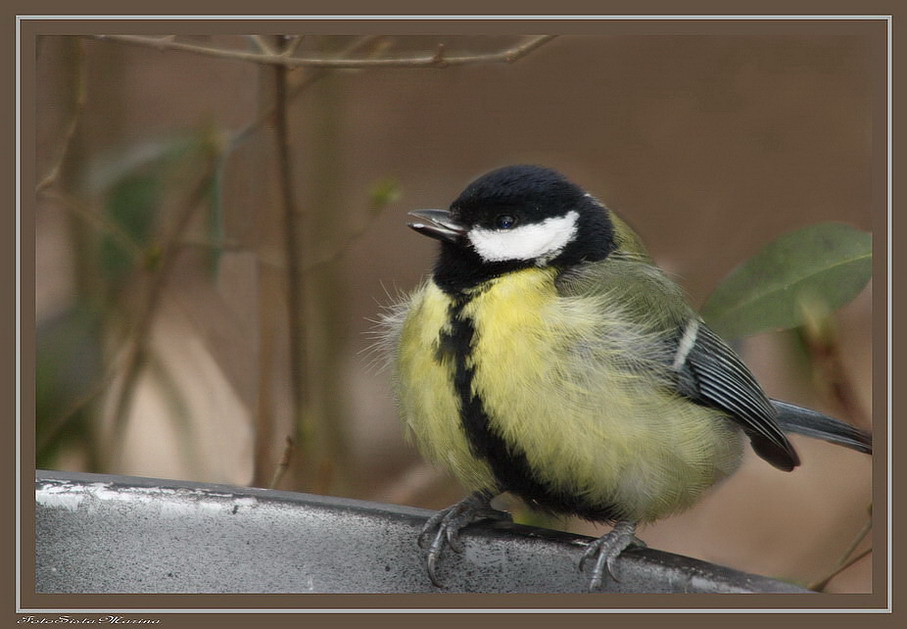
(605, 550)
(444, 527)
(448, 533)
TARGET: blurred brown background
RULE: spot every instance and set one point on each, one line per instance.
(162, 297)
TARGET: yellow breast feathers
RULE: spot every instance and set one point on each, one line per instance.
(557, 376)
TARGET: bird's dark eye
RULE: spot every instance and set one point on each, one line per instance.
(505, 221)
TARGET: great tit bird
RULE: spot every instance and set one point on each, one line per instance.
(548, 356)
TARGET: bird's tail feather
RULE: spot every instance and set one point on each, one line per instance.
(804, 421)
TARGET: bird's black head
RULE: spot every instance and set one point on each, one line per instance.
(512, 218)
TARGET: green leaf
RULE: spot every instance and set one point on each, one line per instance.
(828, 263)
(216, 218)
(133, 184)
(132, 204)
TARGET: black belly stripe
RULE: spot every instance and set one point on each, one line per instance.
(508, 462)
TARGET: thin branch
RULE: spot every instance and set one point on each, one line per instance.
(268, 115)
(294, 255)
(284, 464)
(262, 44)
(292, 46)
(424, 61)
(438, 59)
(78, 107)
(225, 244)
(55, 426)
(857, 539)
(82, 211)
(139, 345)
(342, 248)
(843, 564)
(821, 585)
(314, 75)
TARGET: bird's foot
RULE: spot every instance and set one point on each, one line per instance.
(444, 528)
(605, 550)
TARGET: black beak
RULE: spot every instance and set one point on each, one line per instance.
(437, 224)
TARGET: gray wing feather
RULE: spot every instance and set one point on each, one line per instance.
(715, 376)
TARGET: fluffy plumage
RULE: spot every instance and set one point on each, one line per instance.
(565, 367)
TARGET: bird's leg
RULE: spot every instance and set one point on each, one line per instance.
(606, 549)
(445, 525)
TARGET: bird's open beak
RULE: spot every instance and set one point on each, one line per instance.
(437, 224)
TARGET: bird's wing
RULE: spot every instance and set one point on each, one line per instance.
(702, 366)
(711, 373)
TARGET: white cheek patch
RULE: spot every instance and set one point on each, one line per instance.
(539, 241)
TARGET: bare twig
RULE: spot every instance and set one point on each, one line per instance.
(226, 244)
(78, 107)
(425, 61)
(82, 211)
(277, 260)
(139, 344)
(438, 59)
(821, 585)
(292, 46)
(55, 426)
(843, 563)
(294, 264)
(349, 239)
(284, 463)
(294, 255)
(313, 76)
(263, 45)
